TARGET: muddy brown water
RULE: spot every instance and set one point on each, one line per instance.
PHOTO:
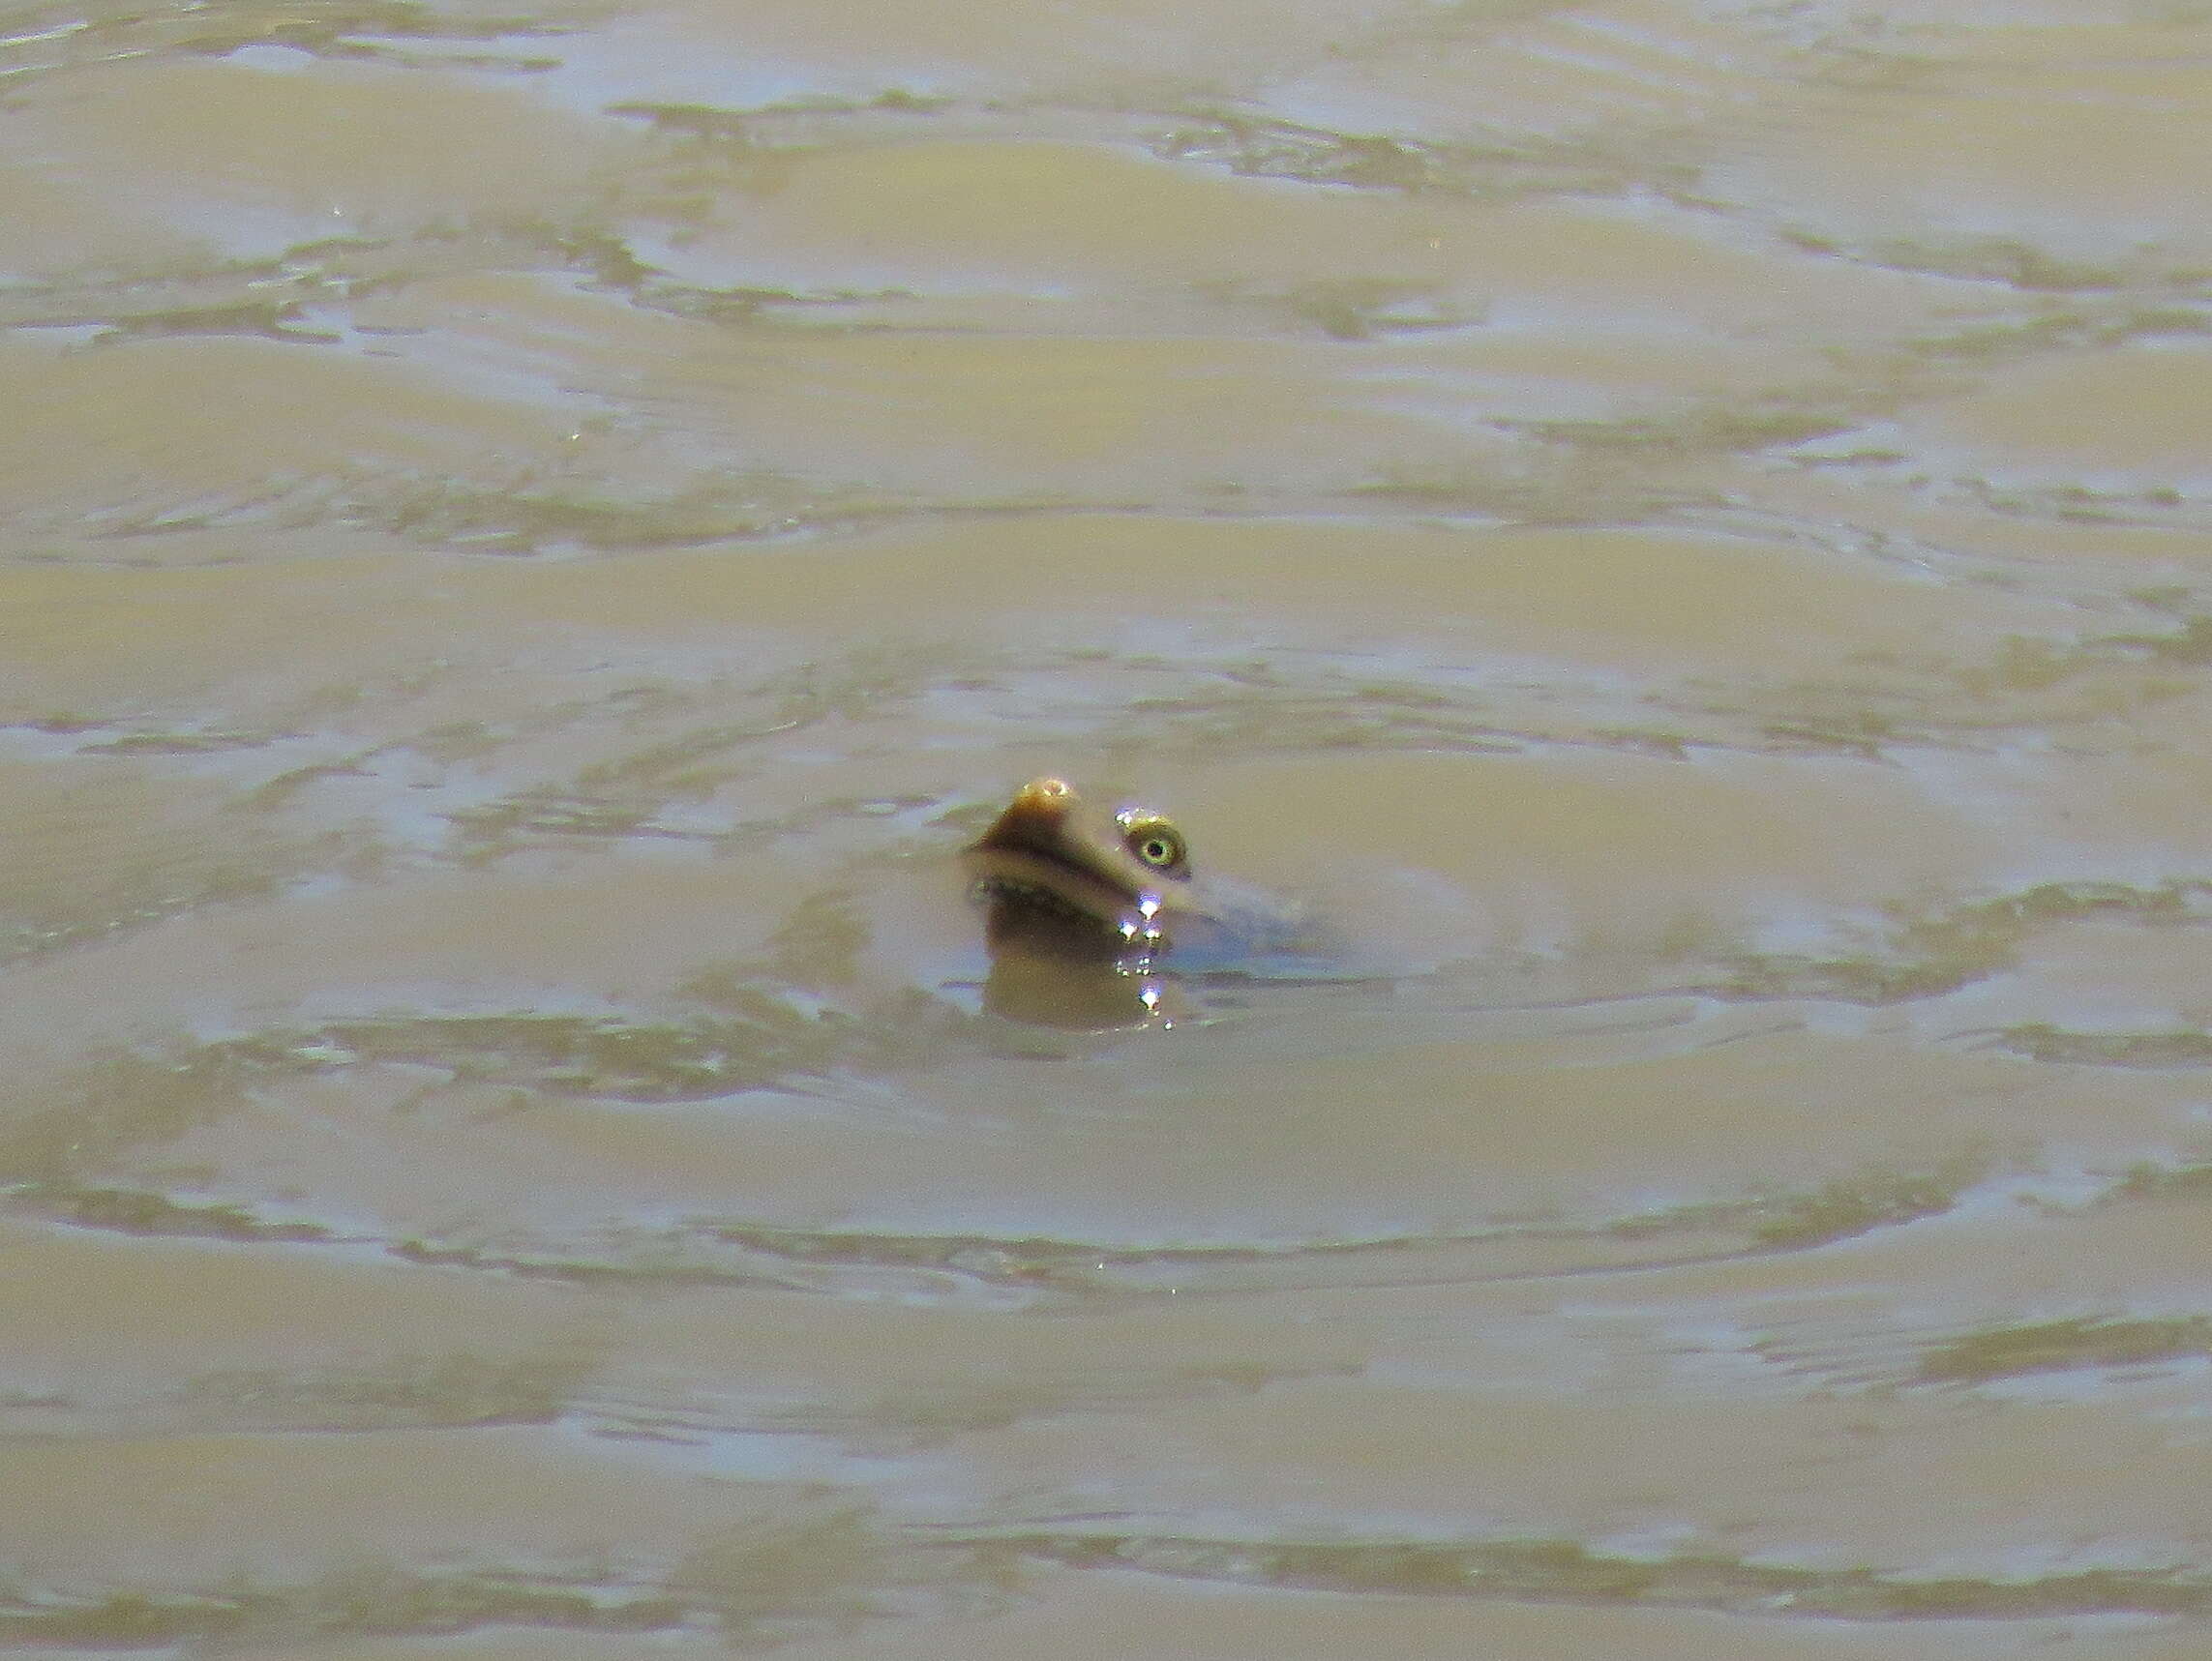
(531, 537)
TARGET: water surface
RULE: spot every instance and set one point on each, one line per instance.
(529, 539)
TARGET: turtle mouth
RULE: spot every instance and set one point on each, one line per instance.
(1063, 889)
(1036, 895)
(1134, 923)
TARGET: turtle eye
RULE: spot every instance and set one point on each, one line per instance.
(1156, 843)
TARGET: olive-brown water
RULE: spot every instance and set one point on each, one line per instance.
(530, 536)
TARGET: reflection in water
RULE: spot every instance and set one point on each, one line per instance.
(1050, 969)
